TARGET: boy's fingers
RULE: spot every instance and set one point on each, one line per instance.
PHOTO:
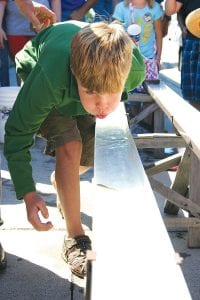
(44, 210)
(39, 225)
(34, 218)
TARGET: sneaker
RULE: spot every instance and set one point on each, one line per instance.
(74, 253)
(3, 261)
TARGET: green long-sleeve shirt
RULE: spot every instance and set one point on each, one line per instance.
(44, 65)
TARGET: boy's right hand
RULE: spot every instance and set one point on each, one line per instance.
(34, 205)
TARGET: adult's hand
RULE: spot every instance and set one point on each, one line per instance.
(39, 15)
(35, 205)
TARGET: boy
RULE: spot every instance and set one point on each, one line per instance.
(73, 72)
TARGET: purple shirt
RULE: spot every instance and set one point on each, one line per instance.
(71, 5)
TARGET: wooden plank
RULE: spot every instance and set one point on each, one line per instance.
(158, 126)
(158, 117)
(180, 223)
(194, 179)
(194, 236)
(176, 109)
(139, 97)
(159, 140)
(177, 199)
(122, 194)
(143, 114)
(163, 164)
(180, 184)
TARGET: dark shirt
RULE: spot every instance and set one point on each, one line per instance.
(72, 5)
(188, 7)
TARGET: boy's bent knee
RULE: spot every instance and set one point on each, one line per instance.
(69, 150)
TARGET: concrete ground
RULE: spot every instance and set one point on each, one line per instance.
(35, 269)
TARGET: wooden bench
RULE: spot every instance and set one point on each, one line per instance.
(134, 255)
(185, 189)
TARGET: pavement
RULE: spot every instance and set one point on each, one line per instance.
(35, 268)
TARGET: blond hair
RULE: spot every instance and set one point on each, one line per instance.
(150, 3)
(101, 57)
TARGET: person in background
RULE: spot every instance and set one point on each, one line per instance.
(75, 10)
(190, 66)
(18, 28)
(39, 15)
(165, 20)
(104, 9)
(147, 15)
(4, 63)
(4, 81)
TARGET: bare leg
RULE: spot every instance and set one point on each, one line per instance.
(68, 185)
(82, 170)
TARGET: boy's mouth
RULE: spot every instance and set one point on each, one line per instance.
(101, 116)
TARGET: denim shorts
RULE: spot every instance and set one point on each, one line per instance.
(58, 129)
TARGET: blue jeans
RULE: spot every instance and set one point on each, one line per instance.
(4, 66)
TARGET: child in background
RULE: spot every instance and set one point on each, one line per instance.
(148, 15)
